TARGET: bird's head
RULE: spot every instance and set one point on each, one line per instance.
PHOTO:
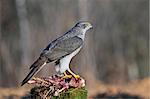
(84, 25)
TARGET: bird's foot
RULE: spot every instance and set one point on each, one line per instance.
(74, 75)
(66, 75)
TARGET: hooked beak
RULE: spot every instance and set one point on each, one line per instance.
(90, 26)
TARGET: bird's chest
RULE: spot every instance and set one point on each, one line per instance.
(65, 61)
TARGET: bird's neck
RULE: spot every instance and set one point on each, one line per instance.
(82, 35)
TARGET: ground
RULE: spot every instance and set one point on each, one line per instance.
(136, 90)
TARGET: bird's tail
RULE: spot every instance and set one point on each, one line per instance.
(35, 67)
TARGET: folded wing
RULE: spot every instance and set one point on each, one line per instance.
(62, 48)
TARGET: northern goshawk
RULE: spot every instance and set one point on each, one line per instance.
(61, 50)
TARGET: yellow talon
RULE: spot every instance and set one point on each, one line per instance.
(74, 75)
(66, 75)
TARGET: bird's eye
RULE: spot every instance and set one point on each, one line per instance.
(84, 26)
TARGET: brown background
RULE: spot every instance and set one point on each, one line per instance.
(115, 51)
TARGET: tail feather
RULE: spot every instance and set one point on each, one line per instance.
(35, 67)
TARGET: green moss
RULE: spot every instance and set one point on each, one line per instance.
(73, 94)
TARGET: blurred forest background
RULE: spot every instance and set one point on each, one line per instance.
(116, 51)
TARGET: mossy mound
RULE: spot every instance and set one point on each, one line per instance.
(73, 94)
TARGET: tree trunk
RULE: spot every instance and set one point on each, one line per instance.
(70, 94)
(25, 36)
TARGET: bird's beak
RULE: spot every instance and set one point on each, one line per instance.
(90, 26)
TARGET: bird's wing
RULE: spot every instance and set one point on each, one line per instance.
(62, 47)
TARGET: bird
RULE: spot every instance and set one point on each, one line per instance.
(61, 51)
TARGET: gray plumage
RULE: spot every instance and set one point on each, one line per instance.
(60, 48)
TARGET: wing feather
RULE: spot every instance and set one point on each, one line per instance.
(63, 47)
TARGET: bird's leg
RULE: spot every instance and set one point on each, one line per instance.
(73, 74)
(66, 75)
